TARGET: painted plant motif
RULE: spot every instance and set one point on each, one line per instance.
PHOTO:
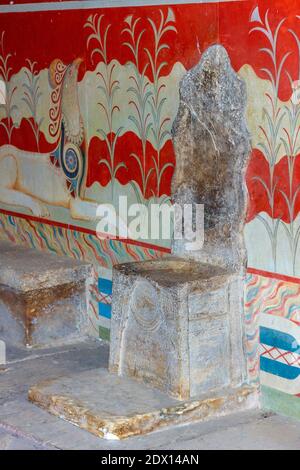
(281, 135)
(292, 149)
(280, 139)
(160, 130)
(109, 86)
(147, 101)
(10, 90)
(271, 142)
(140, 92)
(32, 95)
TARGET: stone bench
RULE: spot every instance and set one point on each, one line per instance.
(43, 297)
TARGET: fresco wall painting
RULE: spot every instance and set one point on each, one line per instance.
(88, 116)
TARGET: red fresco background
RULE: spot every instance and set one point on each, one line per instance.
(61, 34)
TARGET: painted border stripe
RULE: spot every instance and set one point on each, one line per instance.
(85, 230)
(104, 322)
(104, 333)
(278, 368)
(89, 4)
(277, 276)
(279, 340)
(281, 355)
(105, 286)
(105, 310)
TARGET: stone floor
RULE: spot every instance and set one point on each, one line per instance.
(25, 426)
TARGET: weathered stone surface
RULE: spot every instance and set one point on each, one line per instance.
(177, 325)
(43, 298)
(212, 147)
(27, 367)
(2, 353)
(27, 269)
(130, 408)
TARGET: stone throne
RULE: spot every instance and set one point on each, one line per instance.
(178, 323)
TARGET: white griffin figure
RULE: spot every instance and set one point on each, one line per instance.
(30, 180)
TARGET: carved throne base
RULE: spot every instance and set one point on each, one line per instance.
(177, 325)
(113, 407)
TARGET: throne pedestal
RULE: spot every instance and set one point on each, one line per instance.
(177, 325)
